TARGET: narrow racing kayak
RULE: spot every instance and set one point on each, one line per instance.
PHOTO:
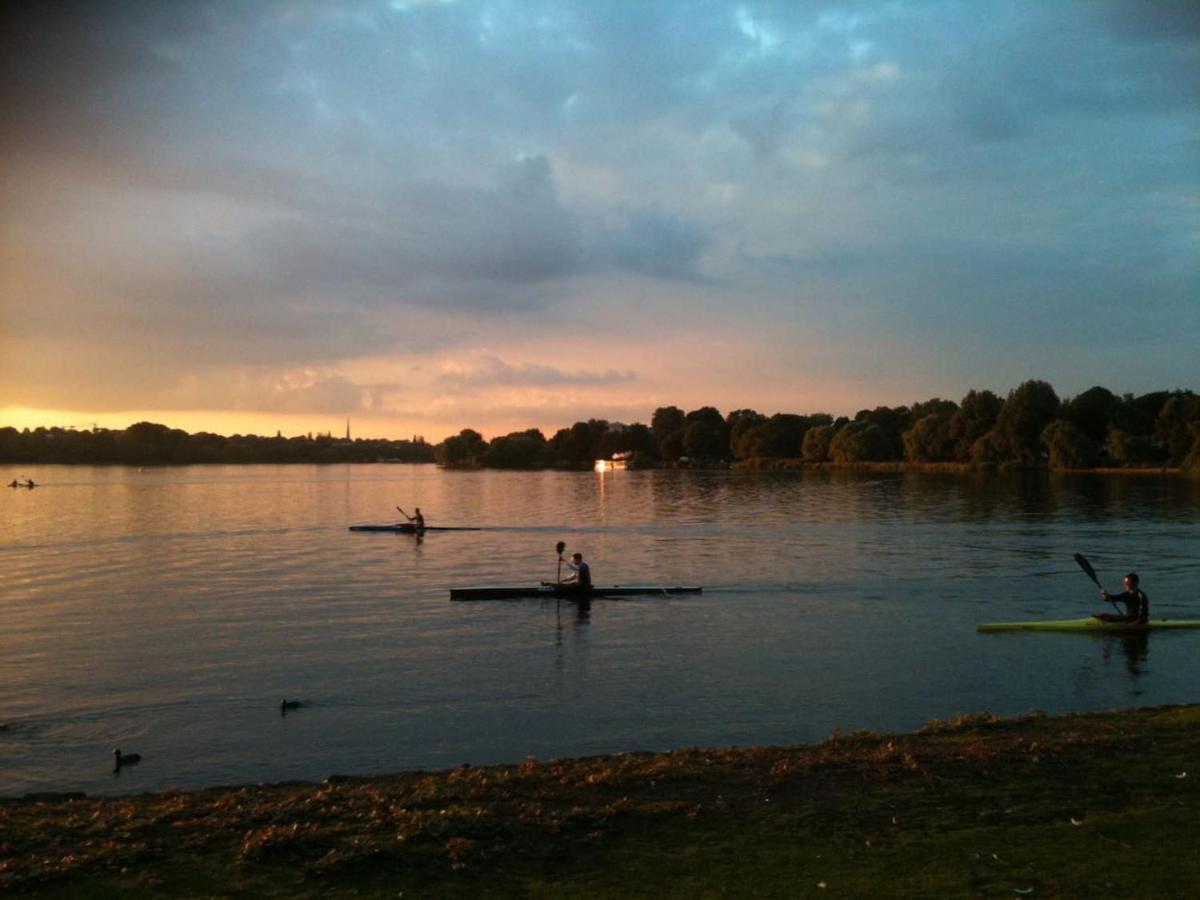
(1090, 625)
(550, 591)
(410, 528)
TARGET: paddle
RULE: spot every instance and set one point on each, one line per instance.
(559, 548)
(1091, 573)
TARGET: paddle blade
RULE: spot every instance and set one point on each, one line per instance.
(560, 547)
(1087, 568)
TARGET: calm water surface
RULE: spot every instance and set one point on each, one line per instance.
(168, 612)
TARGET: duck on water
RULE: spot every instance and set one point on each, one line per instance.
(120, 760)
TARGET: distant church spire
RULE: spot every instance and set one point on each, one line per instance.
(347, 429)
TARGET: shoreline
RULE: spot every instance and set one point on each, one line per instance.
(772, 464)
(1052, 798)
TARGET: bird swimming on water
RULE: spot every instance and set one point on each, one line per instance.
(286, 705)
(125, 759)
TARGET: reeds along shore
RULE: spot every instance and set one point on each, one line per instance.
(1065, 806)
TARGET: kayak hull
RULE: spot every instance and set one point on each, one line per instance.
(551, 593)
(409, 528)
(1092, 626)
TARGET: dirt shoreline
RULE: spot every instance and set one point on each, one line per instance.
(977, 806)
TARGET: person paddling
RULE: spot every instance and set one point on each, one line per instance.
(580, 578)
(1137, 604)
(417, 520)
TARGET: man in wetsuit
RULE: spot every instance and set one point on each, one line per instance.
(1137, 604)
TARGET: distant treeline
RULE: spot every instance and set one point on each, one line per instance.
(1032, 427)
(147, 444)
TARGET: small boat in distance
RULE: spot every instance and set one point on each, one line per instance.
(410, 528)
(550, 591)
(1091, 626)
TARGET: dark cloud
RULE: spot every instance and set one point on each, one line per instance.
(514, 235)
(202, 184)
(491, 371)
(1162, 20)
(651, 242)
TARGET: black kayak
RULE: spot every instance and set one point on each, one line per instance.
(568, 593)
(410, 528)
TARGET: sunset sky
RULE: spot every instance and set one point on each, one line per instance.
(423, 216)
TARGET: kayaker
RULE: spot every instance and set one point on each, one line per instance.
(417, 520)
(580, 578)
(1137, 604)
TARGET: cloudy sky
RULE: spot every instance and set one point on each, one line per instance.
(422, 216)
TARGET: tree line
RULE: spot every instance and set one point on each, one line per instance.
(1031, 427)
(148, 443)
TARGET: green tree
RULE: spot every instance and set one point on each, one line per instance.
(928, 407)
(1069, 447)
(1029, 408)
(667, 424)
(783, 436)
(1124, 447)
(1190, 465)
(704, 440)
(465, 449)
(666, 420)
(670, 448)
(519, 450)
(861, 442)
(578, 447)
(929, 438)
(815, 447)
(705, 434)
(619, 438)
(892, 421)
(1137, 415)
(974, 418)
(1092, 412)
(741, 421)
(990, 448)
(1173, 428)
(149, 443)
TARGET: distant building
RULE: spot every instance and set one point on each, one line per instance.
(618, 461)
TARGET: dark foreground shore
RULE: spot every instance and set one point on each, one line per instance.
(1077, 806)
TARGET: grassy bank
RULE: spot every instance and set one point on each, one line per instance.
(1079, 806)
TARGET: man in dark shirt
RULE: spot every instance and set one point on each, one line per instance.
(580, 578)
(1137, 604)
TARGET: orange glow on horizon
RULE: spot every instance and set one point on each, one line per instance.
(191, 421)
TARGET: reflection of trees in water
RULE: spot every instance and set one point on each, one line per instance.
(1134, 647)
(849, 495)
(1034, 495)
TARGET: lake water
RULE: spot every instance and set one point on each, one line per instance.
(168, 612)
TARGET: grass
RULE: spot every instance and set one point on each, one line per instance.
(1077, 806)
